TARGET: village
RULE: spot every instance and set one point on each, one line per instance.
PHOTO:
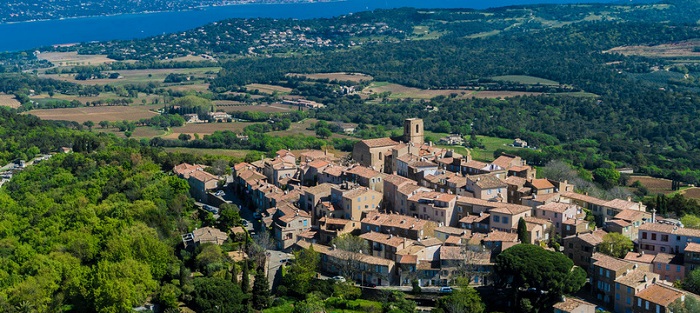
(429, 215)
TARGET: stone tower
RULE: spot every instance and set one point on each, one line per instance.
(413, 131)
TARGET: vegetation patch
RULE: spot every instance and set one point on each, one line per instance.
(9, 101)
(269, 89)
(339, 76)
(526, 80)
(97, 114)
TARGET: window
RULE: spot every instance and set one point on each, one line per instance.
(644, 235)
(617, 297)
(607, 273)
(639, 302)
(571, 245)
(359, 199)
(306, 223)
(664, 237)
(628, 301)
(678, 268)
(658, 266)
(629, 290)
(505, 220)
(663, 249)
(668, 267)
(617, 286)
(653, 236)
(496, 218)
(555, 214)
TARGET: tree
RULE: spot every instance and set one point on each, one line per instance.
(616, 245)
(691, 221)
(245, 280)
(531, 266)
(104, 124)
(349, 250)
(346, 290)
(323, 132)
(690, 305)
(303, 270)
(214, 295)
(523, 234)
(692, 282)
(89, 124)
(261, 290)
(606, 177)
(229, 216)
(464, 299)
(220, 167)
(184, 137)
(312, 304)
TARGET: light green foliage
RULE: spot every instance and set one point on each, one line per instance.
(312, 304)
(607, 177)
(302, 271)
(122, 285)
(692, 281)
(691, 304)
(346, 290)
(229, 216)
(616, 245)
(464, 299)
(216, 295)
(690, 221)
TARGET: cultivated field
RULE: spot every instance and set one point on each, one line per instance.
(671, 50)
(97, 114)
(403, 92)
(301, 128)
(693, 193)
(9, 101)
(139, 76)
(103, 97)
(654, 185)
(73, 58)
(269, 89)
(203, 152)
(526, 80)
(272, 108)
(355, 77)
(206, 129)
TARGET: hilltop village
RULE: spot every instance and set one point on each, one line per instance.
(428, 213)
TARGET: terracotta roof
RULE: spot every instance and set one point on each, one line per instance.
(185, 169)
(203, 176)
(451, 230)
(322, 189)
(632, 215)
(501, 236)
(636, 277)
(379, 142)
(240, 166)
(535, 220)
(430, 242)
(433, 195)
(344, 255)
(519, 168)
(407, 259)
(453, 240)
(575, 221)
(476, 164)
(357, 192)
(511, 209)
(334, 221)
(308, 234)
(451, 253)
(541, 183)
(515, 180)
(287, 214)
(395, 220)
(639, 257)
(364, 172)
(584, 198)
(557, 207)
(487, 181)
(389, 240)
(620, 223)
(461, 200)
(622, 204)
(571, 304)
(397, 180)
(503, 161)
(475, 218)
(318, 163)
(593, 238)
(332, 170)
(692, 247)
(209, 234)
(670, 229)
(665, 258)
(608, 262)
(660, 294)
(410, 188)
(237, 230)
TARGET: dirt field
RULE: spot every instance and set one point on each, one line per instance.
(355, 77)
(269, 89)
(9, 101)
(202, 152)
(672, 50)
(73, 58)
(654, 185)
(97, 114)
(274, 108)
(402, 92)
(693, 193)
(301, 128)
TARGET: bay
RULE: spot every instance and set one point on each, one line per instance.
(32, 35)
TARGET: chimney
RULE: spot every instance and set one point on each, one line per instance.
(653, 215)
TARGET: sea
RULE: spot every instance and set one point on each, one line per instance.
(34, 35)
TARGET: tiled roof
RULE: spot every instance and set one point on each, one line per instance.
(660, 294)
(501, 236)
(322, 189)
(515, 180)
(636, 277)
(318, 163)
(692, 247)
(511, 209)
(345, 255)
(608, 262)
(397, 180)
(487, 181)
(535, 220)
(389, 240)
(451, 253)
(503, 161)
(593, 238)
(584, 198)
(410, 188)
(631, 215)
(622, 204)
(209, 234)
(334, 221)
(241, 166)
(407, 259)
(203, 176)
(670, 229)
(475, 218)
(451, 230)
(430, 242)
(619, 223)
(357, 192)
(453, 240)
(556, 207)
(433, 195)
(379, 142)
(541, 183)
(461, 200)
(395, 220)
(665, 258)
(336, 171)
(364, 172)
(476, 164)
(571, 304)
(639, 257)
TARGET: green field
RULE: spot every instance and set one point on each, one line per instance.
(527, 80)
(491, 144)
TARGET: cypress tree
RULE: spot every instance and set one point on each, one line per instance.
(261, 290)
(245, 280)
(523, 235)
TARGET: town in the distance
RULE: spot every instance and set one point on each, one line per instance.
(429, 216)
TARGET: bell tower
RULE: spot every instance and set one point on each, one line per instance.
(413, 131)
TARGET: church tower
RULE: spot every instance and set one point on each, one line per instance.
(413, 131)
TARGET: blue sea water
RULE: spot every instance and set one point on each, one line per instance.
(30, 35)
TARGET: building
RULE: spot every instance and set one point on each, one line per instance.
(288, 223)
(353, 202)
(655, 237)
(373, 153)
(603, 273)
(413, 131)
(573, 305)
(558, 213)
(392, 183)
(505, 217)
(628, 285)
(477, 223)
(385, 246)
(359, 267)
(669, 267)
(280, 168)
(400, 225)
(366, 177)
(313, 196)
(691, 257)
(434, 206)
(204, 235)
(580, 248)
(201, 182)
(656, 299)
(487, 187)
(330, 228)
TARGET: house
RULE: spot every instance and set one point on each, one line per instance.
(204, 235)
(643, 260)
(487, 187)
(402, 205)
(366, 177)
(185, 169)
(495, 241)
(385, 246)
(573, 305)
(558, 213)
(574, 226)
(655, 237)
(313, 196)
(538, 229)
(477, 223)
(332, 174)
(288, 223)
(604, 271)
(580, 248)
(610, 209)
(392, 183)
(365, 268)
(627, 222)
(434, 206)
(330, 228)
(373, 153)
(691, 257)
(312, 170)
(516, 189)
(628, 285)
(519, 143)
(505, 217)
(442, 233)
(452, 140)
(669, 267)
(400, 225)
(657, 298)
(201, 182)
(280, 168)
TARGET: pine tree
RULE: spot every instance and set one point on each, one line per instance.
(245, 280)
(234, 274)
(261, 290)
(523, 234)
